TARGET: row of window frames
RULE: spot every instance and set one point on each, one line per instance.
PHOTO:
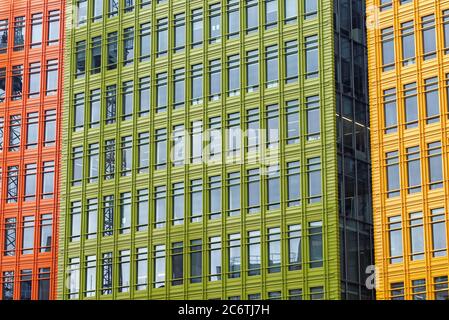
(388, 4)
(419, 291)
(233, 61)
(410, 104)
(30, 187)
(14, 130)
(28, 234)
(195, 194)
(310, 8)
(429, 48)
(413, 163)
(26, 284)
(36, 30)
(416, 233)
(214, 263)
(34, 80)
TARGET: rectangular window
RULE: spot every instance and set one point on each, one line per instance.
(141, 268)
(2, 84)
(75, 221)
(178, 203)
(143, 152)
(53, 27)
(233, 183)
(233, 13)
(390, 110)
(92, 218)
(45, 232)
(145, 42)
(196, 261)
(273, 187)
(387, 39)
(271, 66)
(271, 13)
(8, 285)
(395, 238)
(109, 159)
(179, 90)
(272, 126)
(214, 197)
(438, 225)
(52, 78)
(291, 61)
(77, 166)
(311, 57)
(32, 128)
(253, 185)
(252, 71)
(196, 143)
(19, 33)
(162, 37)
(161, 92)
(214, 79)
(73, 278)
(12, 184)
(127, 100)
(160, 204)
(112, 50)
(252, 16)
(215, 23)
(177, 263)
(413, 170)
(28, 235)
(196, 200)
(95, 108)
(294, 247)
(4, 25)
(108, 215)
(445, 30)
(34, 80)
(179, 32)
(48, 179)
(142, 209)
(128, 46)
(293, 183)
(179, 143)
(290, 11)
(432, 100)
(197, 84)
(161, 148)
(113, 8)
(25, 284)
(397, 291)
(49, 128)
(253, 130)
(429, 37)
(215, 138)
(98, 10)
(274, 250)
(124, 272)
(17, 82)
(386, 4)
(159, 266)
(392, 174)
(214, 258)
(234, 255)
(435, 163)
(316, 244)
(314, 179)
(15, 123)
(410, 105)
(106, 273)
(441, 288)
(10, 238)
(233, 67)
(95, 66)
(30, 182)
(417, 236)
(310, 9)
(125, 212)
(419, 289)
(197, 28)
(292, 120)
(254, 253)
(111, 104)
(408, 43)
(80, 58)
(91, 276)
(126, 154)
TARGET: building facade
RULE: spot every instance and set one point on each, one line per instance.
(215, 150)
(408, 81)
(31, 34)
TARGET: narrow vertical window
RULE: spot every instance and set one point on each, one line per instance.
(429, 37)
(159, 266)
(233, 194)
(316, 244)
(253, 189)
(387, 40)
(215, 259)
(416, 236)
(408, 43)
(435, 163)
(413, 169)
(390, 111)
(234, 255)
(395, 239)
(392, 174)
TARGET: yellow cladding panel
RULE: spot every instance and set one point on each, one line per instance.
(414, 273)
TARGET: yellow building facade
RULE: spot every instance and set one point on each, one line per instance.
(408, 56)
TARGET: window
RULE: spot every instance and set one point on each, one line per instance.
(108, 215)
(196, 200)
(408, 43)
(395, 238)
(161, 148)
(161, 92)
(141, 268)
(294, 247)
(73, 278)
(75, 221)
(311, 57)
(215, 23)
(179, 32)
(432, 100)
(313, 118)
(196, 143)
(435, 165)
(125, 212)
(291, 61)
(32, 133)
(397, 291)
(142, 209)
(272, 126)
(179, 142)
(177, 263)
(28, 235)
(234, 255)
(82, 12)
(109, 159)
(252, 70)
(387, 38)
(314, 179)
(214, 197)
(392, 173)
(386, 4)
(233, 194)
(178, 203)
(197, 28)
(10, 238)
(271, 66)
(197, 84)
(34, 80)
(113, 8)
(12, 184)
(92, 217)
(215, 138)
(428, 36)
(43, 290)
(419, 289)
(145, 42)
(293, 184)
(445, 29)
(410, 105)
(30, 182)
(441, 288)
(95, 108)
(159, 266)
(3, 35)
(160, 199)
(80, 57)
(252, 15)
(48, 177)
(14, 132)
(77, 166)
(2, 84)
(316, 244)
(126, 156)
(214, 79)
(106, 273)
(295, 294)
(253, 130)
(253, 185)
(290, 11)
(111, 104)
(91, 276)
(179, 82)
(143, 152)
(233, 67)
(8, 285)
(254, 296)
(98, 10)
(233, 12)
(274, 250)
(19, 33)
(127, 100)
(53, 27)
(162, 36)
(25, 284)
(413, 169)
(128, 46)
(17, 82)
(52, 77)
(124, 271)
(214, 258)
(273, 187)
(417, 236)
(438, 225)
(144, 96)
(196, 261)
(49, 128)
(310, 9)
(129, 5)
(254, 253)
(112, 50)
(390, 110)
(95, 66)
(271, 13)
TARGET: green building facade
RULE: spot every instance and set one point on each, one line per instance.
(214, 150)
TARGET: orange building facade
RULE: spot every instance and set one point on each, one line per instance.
(408, 45)
(31, 42)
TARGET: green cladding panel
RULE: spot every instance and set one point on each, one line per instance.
(108, 264)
